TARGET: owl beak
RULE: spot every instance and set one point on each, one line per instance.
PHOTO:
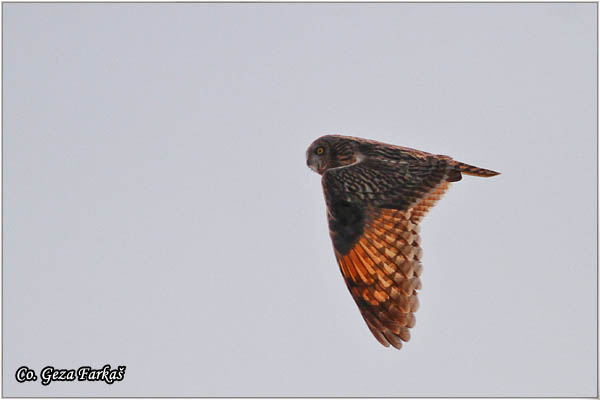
(318, 167)
(313, 164)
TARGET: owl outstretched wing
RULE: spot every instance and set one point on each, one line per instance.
(374, 207)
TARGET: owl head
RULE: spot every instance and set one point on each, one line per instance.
(331, 151)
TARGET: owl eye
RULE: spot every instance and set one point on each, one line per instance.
(320, 150)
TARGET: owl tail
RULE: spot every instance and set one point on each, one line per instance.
(475, 171)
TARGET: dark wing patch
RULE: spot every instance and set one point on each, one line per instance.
(346, 221)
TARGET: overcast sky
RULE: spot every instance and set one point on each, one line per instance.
(159, 214)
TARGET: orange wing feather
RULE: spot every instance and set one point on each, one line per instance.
(382, 273)
(419, 211)
(382, 269)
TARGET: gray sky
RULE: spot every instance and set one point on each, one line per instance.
(159, 214)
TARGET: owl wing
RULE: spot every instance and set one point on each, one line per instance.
(373, 209)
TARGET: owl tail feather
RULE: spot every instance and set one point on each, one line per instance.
(475, 171)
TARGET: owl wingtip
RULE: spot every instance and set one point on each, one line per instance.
(476, 171)
(490, 173)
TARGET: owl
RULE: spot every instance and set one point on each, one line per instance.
(376, 195)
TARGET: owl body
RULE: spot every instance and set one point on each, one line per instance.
(376, 194)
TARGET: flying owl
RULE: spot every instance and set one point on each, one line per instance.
(376, 195)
